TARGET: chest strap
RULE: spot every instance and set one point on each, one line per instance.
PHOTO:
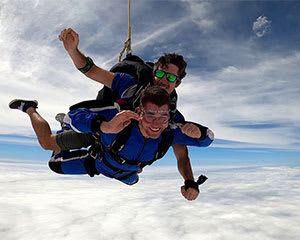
(120, 142)
(122, 138)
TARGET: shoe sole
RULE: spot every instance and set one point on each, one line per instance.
(16, 100)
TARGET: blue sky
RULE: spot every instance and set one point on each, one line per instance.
(243, 69)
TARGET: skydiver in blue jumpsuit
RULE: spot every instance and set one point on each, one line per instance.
(149, 123)
(151, 120)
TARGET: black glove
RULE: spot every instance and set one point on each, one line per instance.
(193, 184)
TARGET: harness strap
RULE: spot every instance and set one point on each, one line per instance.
(173, 105)
(121, 160)
(163, 147)
(120, 141)
(117, 170)
(98, 150)
(165, 143)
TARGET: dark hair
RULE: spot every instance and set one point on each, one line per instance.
(155, 95)
(175, 59)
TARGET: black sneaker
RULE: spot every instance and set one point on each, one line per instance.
(22, 104)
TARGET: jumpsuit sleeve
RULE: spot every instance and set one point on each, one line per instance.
(82, 120)
(179, 118)
(124, 84)
(207, 137)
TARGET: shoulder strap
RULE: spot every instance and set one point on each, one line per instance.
(121, 139)
(164, 144)
(173, 105)
(163, 147)
(117, 145)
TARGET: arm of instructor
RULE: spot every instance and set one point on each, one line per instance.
(70, 40)
(185, 169)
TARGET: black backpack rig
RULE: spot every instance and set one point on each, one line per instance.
(143, 72)
(97, 150)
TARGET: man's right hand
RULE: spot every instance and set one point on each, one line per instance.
(119, 122)
(189, 194)
(70, 39)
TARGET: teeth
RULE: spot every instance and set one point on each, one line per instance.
(154, 129)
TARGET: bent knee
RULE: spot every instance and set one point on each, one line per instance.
(45, 145)
(49, 143)
(55, 166)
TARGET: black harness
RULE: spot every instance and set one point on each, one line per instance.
(143, 73)
(98, 149)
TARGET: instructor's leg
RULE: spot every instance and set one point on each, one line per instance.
(42, 130)
(41, 127)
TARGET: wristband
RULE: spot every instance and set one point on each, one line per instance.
(89, 64)
(191, 184)
(96, 123)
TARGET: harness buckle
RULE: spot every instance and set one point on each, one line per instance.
(122, 161)
(94, 154)
(95, 150)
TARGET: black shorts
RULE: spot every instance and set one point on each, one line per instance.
(69, 139)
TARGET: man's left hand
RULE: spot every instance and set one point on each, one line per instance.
(190, 130)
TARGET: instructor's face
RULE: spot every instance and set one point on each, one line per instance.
(154, 120)
(163, 82)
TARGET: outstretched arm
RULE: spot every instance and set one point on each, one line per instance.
(70, 40)
(185, 169)
(190, 134)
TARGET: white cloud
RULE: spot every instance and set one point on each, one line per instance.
(201, 13)
(265, 93)
(235, 203)
(261, 26)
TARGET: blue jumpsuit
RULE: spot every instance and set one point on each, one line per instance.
(137, 148)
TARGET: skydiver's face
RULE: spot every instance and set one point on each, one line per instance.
(163, 82)
(154, 120)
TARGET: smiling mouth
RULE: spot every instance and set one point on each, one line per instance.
(154, 129)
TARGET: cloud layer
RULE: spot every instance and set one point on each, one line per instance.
(235, 203)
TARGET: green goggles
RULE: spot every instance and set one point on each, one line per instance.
(170, 77)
